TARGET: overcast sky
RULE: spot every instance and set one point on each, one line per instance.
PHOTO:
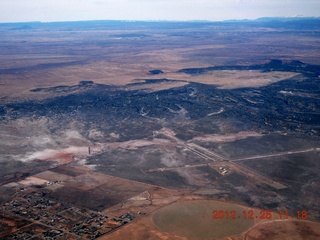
(65, 10)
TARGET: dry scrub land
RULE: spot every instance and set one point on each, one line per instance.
(112, 129)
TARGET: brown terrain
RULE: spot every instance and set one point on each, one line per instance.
(139, 130)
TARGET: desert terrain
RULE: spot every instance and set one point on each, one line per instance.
(160, 130)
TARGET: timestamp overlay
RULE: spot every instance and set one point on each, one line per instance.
(251, 214)
(275, 225)
(207, 219)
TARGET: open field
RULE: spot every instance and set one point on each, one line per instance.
(140, 130)
(52, 54)
(194, 220)
(228, 79)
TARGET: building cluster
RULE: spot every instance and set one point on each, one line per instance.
(223, 170)
(55, 219)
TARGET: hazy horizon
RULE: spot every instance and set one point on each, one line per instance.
(146, 20)
(152, 10)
